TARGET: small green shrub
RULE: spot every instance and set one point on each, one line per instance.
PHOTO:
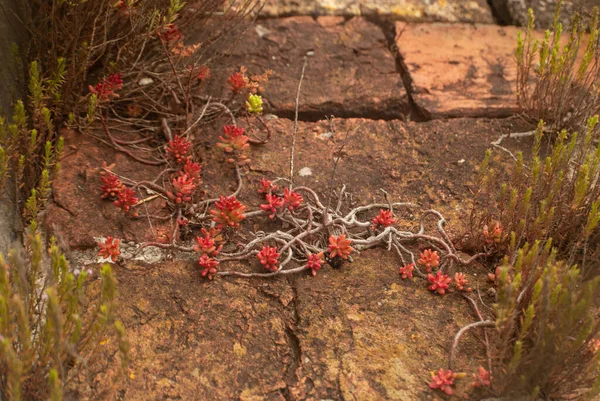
(556, 80)
(554, 196)
(47, 329)
(546, 321)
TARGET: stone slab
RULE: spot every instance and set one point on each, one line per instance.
(460, 70)
(350, 71)
(407, 10)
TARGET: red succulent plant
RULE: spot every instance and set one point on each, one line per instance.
(233, 139)
(314, 262)
(111, 185)
(406, 271)
(208, 245)
(339, 246)
(183, 187)
(268, 257)
(482, 378)
(461, 282)
(429, 259)
(443, 380)
(208, 265)
(272, 205)
(105, 89)
(385, 218)
(192, 169)
(291, 199)
(229, 212)
(439, 282)
(126, 199)
(110, 249)
(493, 234)
(237, 81)
(266, 186)
(177, 149)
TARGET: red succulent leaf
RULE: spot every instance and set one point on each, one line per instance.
(229, 212)
(406, 271)
(126, 199)
(203, 73)
(385, 218)
(207, 245)
(291, 199)
(339, 246)
(111, 185)
(482, 378)
(461, 282)
(429, 259)
(439, 282)
(268, 257)
(208, 265)
(314, 262)
(233, 139)
(110, 249)
(177, 149)
(443, 380)
(273, 203)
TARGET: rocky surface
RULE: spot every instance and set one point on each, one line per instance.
(407, 10)
(459, 70)
(514, 12)
(350, 71)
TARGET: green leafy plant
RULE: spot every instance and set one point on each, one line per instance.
(553, 196)
(546, 327)
(556, 76)
(47, 327)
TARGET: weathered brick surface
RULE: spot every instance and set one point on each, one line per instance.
(460, 69)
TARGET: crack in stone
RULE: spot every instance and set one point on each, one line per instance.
(388, 28)
(294, 343)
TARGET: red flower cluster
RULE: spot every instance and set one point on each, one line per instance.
(461, 282)
(183, 187)
(233, 139)
(126, 199)
(439, 282)
(177, 149)
(482, 378)
(208, 265)
(237, 82)
(111, 185)
(208, 244)
(170, 33)
(110, 249)
(385, 218)
(429, 259)
(229, 212)
(443, 380)
(106, 89)
(266, 186)
(406, 271)
(314, 262)
(268, 257)
(291, 199)
(339, 246)
(273, 203)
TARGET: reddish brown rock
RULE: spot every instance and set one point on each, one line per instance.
(350, 72)
(460, 70)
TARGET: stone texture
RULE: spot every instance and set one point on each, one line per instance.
(11, 33)
(407, 10)
(460, 70)
(514, 12)
(350, 72)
